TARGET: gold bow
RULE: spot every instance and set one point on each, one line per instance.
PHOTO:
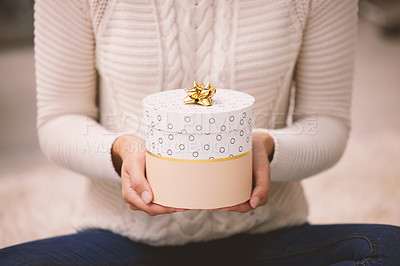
(200, 94)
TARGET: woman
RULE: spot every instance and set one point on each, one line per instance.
(95, 62)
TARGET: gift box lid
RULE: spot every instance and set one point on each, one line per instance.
(230, 111)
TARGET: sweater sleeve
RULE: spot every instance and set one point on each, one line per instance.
(318, 135)
(67, 114)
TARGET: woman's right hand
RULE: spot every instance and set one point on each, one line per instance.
(128, 154)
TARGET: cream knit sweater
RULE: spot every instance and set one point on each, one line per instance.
(96, 60)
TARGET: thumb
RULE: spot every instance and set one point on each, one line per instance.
(139, 182)
(261, 175)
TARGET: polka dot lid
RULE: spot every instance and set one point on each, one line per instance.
(230, 110)
(192, 131)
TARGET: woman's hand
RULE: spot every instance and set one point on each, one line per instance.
(263, 146)
(128, 154)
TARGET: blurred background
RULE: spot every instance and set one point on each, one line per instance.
(37, 197)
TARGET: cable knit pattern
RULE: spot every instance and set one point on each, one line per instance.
(223, 43)
(96, 60)
(169, 33)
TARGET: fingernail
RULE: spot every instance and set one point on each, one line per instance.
(254, 201)
(145, 196)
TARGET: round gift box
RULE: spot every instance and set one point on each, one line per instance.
(199, 157)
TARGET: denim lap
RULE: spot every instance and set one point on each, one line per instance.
(348, 244)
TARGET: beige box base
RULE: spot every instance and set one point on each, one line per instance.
(205, 184)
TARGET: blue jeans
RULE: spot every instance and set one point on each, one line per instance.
(350, 244)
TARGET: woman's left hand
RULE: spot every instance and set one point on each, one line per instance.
(263, 146)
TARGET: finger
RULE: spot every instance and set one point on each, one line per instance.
(154, 209)
(139, 182)
(133, 207)
(129, 195)
(170, 208)
(136, 203)
(243, 207)
(127, 192)
(261, 175)
(164, 210)
(159, 209)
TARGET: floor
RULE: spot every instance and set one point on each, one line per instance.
(36, 197)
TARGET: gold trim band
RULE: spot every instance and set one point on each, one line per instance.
(199, 161)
